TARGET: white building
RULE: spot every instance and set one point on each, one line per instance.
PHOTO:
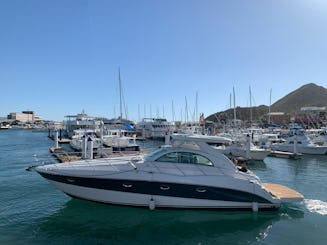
(24, 116)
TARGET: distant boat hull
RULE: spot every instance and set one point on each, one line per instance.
(314, 150)
(258, 155)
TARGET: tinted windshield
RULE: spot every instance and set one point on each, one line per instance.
(154, 153)
(184, 157)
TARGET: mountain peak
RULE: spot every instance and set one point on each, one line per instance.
(307, 95)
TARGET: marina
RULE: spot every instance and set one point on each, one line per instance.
(37, 213)
(163, 122)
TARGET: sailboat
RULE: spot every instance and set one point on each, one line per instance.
(116, 138)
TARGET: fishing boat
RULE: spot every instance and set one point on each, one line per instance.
(189, 173)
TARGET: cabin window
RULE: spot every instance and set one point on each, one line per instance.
(170, 157)
(185, 157)
(203, 160)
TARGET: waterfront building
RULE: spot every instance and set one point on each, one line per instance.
(24, 116)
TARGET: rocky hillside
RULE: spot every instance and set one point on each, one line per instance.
(307, 95)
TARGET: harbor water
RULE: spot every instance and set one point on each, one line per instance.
(32, 211)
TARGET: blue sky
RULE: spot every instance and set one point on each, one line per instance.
(62, 56)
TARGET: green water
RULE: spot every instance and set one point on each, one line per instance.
(33, 212)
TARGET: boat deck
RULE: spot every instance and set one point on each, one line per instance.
(284, 193)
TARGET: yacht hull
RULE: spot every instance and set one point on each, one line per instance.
(162, 195)
(143, 200)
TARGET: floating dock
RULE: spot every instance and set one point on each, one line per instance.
(283, 154)
(63, 155)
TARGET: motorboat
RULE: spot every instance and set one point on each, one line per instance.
(242, 149)
(118, 141)
(254, 153)
(299, 143)
(5, 126)
(77, 139)
(189, 173)
(321, 137)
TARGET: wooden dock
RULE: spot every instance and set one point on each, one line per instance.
(284, 193)
(63, 155)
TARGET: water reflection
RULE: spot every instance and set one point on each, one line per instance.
(257, 165)
(95, 223)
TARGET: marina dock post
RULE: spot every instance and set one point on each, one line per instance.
(56, 140)
(89, 148)
(248, 146)
(84, 147)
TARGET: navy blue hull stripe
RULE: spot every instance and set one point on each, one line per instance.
(160, 188)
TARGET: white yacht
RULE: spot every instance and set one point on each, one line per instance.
(154, 128)
(118, 141)
(321, 137)
(255, 153)
(80, 121)
(244, 148)
(300, 143)
(5, 126)
(187, 174)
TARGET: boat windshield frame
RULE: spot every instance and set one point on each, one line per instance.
(155, 153)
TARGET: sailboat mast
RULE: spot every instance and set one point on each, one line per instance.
(250, 105)
(234, 106)
(196, 108)
(120, 95)
(269, 107)
(186, 111)
(173, 110)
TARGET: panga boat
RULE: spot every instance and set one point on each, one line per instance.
(187, 174)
